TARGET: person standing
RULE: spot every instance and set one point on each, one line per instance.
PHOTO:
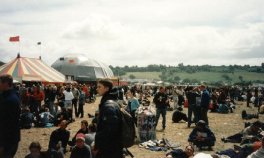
(161, 101)
(108, 134)
(81, 103)
(76, 94)
(68, 100)
(9, 118)
(249, 95)
(133, 105)
(205, 101)
(191, 95)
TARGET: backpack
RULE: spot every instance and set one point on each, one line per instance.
(128, 133)
(128, 130)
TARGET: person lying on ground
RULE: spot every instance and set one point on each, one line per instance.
(259, 153)
(247, 135)
(251, 133)
(246, 116)
(179, 153)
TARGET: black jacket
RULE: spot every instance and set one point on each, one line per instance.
(9, 118)
(59, 135)
(108, 134)
(191, 96)
(160, 99)
(84, 152)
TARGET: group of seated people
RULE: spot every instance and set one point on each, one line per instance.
(44, 118)
(80, 144)
(251, 141)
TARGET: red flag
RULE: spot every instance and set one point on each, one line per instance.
(14, 39)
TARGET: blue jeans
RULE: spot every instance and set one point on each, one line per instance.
(163, 114)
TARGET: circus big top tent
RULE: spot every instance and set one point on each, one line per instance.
(31, 69)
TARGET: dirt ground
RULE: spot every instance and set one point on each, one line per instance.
(221, 124)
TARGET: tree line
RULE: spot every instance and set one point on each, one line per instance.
(169, 73)
(119, 71)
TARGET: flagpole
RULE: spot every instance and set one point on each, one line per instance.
(40, 50)
(39, 43)
(19, 45)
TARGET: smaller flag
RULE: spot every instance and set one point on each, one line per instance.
(14, 39)
(39, 43)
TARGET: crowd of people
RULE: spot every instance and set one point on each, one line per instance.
(46, 106)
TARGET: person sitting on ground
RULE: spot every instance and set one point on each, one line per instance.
(251, 133)
(179, 153)
(202, 136)
(35, 151)
(83, 130)
(26, 119)
(90, 136)
(59, 135)
(223, 109)
(246, 116)
(63, 115)
(178, 115)
(81, 150)
(95, 117)
(46, 119)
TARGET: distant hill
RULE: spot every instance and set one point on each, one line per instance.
(195, 74)
(209, 77)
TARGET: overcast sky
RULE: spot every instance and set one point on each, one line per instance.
(136, 32)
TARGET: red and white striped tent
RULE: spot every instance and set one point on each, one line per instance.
(31, 69)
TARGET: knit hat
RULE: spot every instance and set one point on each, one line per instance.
(80, 136)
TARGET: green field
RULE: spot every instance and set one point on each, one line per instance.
(201, 76)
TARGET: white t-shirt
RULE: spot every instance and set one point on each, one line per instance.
(68, 95)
